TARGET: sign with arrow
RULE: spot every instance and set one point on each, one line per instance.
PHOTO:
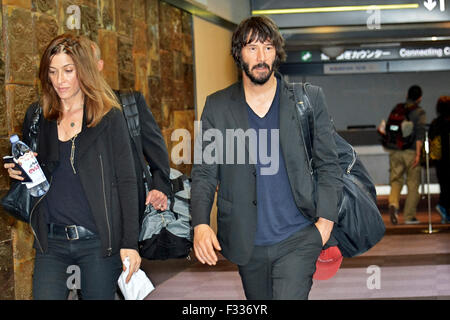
(431, 4)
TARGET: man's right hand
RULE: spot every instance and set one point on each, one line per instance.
(205, 241)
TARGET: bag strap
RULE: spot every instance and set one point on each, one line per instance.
(178, 183)
(305, 118)
(34, 128)
(131, 113)
(409, 110)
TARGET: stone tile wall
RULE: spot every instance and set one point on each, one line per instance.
(146, 46)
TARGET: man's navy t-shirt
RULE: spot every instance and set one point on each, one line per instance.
(278, 215)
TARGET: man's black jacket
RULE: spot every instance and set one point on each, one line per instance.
(155, 152)
(236, 199)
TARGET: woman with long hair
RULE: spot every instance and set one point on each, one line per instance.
(89, 216)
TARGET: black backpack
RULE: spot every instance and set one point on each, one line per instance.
(360, 225)
(394, 137)
(163, 234)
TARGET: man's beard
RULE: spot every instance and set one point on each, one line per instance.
(258, 80)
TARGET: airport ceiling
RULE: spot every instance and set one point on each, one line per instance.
(311, 24)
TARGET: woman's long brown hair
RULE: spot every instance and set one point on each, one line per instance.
(99, 98)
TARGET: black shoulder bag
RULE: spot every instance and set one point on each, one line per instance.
(18, 202)
(360, 225)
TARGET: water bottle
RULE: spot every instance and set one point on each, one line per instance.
(22, 153)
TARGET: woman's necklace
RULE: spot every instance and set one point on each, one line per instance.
(72, 153)
(72, 150)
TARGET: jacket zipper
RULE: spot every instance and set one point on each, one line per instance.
(350, 166)
(308, 160)
(31, 215)
(106, 207)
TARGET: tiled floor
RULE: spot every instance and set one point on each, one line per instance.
(407, 263)
(430, 279)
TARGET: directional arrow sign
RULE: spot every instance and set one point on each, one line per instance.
(429, 4)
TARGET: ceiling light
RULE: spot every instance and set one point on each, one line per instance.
(332, 52)
(336, 9)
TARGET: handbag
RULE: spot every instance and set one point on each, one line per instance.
(18, 202)
(360, 225)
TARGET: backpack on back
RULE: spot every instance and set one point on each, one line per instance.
(163, 234)
(399, 130)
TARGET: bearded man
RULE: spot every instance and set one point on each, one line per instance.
(272, 225)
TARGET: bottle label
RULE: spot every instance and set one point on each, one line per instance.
(32, 168)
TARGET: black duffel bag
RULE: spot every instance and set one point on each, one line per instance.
(360, 225)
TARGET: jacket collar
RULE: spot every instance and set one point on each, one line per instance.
(287, 109)
(287, 114)
(239, 106)
(89, 134)
(48, 148)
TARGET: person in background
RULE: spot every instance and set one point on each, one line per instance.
(154, 150)
(440, 130)
(407, 161)
(90, 216)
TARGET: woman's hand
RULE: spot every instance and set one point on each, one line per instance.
(135, 261)
(14, 174)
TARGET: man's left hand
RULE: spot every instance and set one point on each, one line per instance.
(325, 227)
(157, 199)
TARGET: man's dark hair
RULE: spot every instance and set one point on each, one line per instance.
(414, 93)
(257, 28)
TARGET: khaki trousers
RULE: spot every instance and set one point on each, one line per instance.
(400, 162)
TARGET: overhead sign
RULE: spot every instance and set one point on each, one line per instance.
(371, 54)
(431, 4)
(425, 52)
(391, 54)
(362, 67)
(365, 54)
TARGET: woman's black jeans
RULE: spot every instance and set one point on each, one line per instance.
(69, 262)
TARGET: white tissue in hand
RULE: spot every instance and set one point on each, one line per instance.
(139, 286)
